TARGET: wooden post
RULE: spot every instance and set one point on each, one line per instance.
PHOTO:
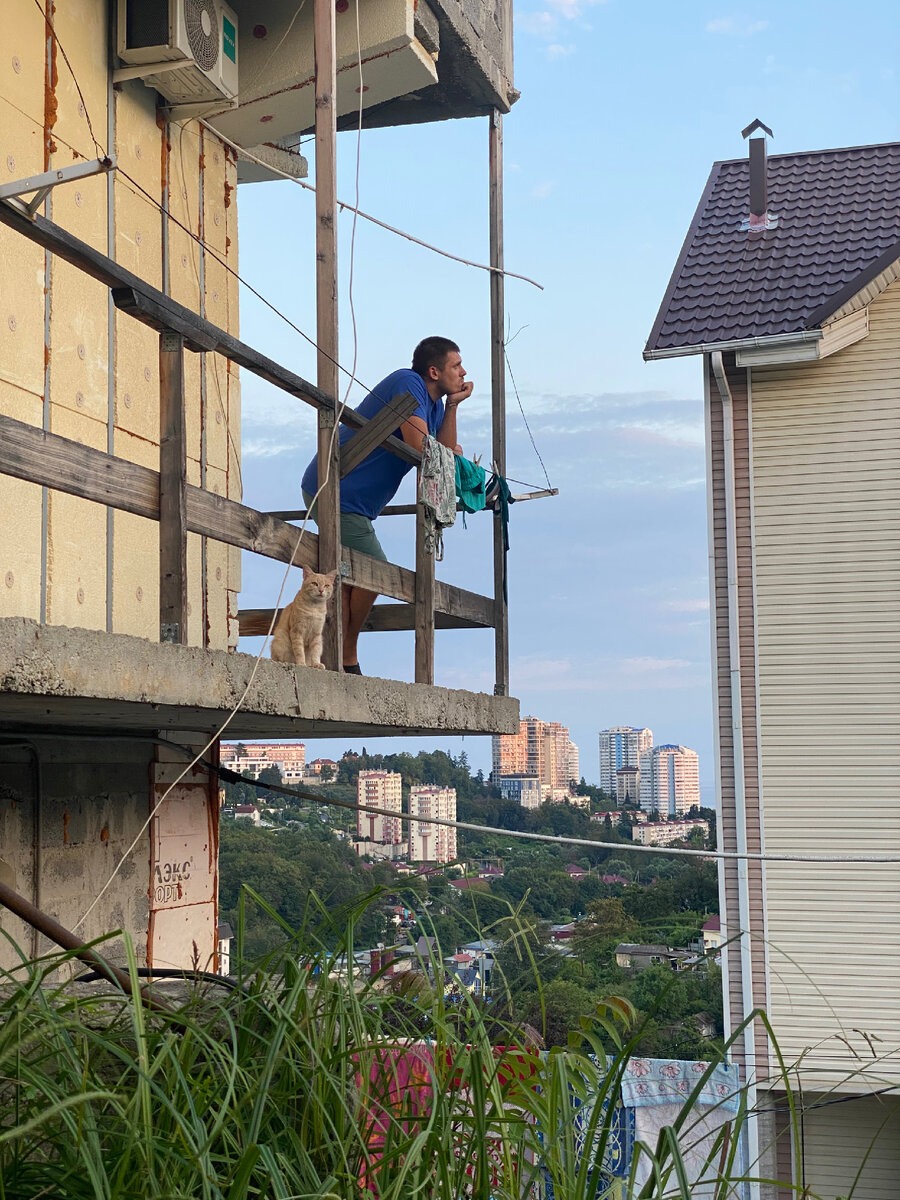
(172, 491)
(424, 613)
(498, 394)
(327, 316)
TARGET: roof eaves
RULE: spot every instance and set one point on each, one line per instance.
(676, 271)
(775, 339)
(849, 290)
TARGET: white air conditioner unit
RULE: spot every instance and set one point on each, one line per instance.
(186, 49)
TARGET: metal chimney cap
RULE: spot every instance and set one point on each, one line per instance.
(753, 126)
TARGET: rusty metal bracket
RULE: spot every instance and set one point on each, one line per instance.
(42, 184)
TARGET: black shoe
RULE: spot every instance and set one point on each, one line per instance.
(352, 669)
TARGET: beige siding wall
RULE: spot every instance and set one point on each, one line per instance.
(826, 475)
(65, 560)
(841, 1140)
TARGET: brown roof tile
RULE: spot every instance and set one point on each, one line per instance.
(838, 226)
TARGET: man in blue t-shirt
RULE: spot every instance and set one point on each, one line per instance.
(437, 372)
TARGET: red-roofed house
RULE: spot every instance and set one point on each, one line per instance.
(575, 872)
(712, 933)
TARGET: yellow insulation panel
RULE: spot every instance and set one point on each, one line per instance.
(83, 30)
(79, 345)
(137, 378)
(216, 412)
(22, 70)
(138, 234)
(21, 313)
(139, 144)
(135, 604)
(20, 503)
(76, 538)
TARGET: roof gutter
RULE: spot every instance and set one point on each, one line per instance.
(799, 338)
(751, 1128)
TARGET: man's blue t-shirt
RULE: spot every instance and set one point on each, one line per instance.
(371, 485)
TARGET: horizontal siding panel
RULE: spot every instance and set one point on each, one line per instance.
(840, 1141)
(826, 494)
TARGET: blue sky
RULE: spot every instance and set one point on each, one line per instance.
(624, 107)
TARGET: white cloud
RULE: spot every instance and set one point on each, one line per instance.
(542, 190)
(685, 606)
(546, 21)
(558, 51)
(603, 675)
(647, 665)
(736, 26)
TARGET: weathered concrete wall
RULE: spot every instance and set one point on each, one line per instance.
(72, 365)
(66, 820)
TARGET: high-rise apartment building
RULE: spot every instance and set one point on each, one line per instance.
(541, 749)
(670, 780)
(252, 757)
(380, 789)
(427, 842)
(628, 785)
(621, 746)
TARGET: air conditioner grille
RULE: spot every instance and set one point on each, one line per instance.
(147, 24)
(203, 34)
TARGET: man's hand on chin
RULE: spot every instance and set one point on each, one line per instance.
(455, 398)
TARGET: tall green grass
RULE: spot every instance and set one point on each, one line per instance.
(252, 1092)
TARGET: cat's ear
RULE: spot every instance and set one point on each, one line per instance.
(333, 577)
(307, 571)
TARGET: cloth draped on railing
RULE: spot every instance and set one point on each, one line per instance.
(437, 492)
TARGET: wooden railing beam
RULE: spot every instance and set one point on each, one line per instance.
(424, 603)
(379, 427)
(384, 618)
(172, 491)
(154, 308)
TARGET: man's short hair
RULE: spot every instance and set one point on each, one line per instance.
(431, 352)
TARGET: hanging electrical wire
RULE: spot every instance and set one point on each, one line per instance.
(508, 341)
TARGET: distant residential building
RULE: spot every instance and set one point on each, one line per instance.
(490, 872)
(288, 757)
(380, 789)
(711, 931)
(640, 956)
(670, 780)
(318, 765)
(522, 789)
(628, 785)
(562, 933)
(247, 812)
(666, 833)
(427, 842)
(224, 936)
(541, 749)
(574, 771)
(384, 851)
(621, 746)
(575, 872)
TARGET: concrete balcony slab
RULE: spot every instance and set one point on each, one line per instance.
(53, 676)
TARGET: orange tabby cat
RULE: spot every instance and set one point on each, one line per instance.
(298, 634)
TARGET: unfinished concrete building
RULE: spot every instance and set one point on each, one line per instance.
(128, 128)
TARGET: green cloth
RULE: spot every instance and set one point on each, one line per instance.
(357, 531)
(470, 479)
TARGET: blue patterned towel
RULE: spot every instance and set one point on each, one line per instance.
(649, 1081)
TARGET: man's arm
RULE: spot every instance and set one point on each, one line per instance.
(414, 429)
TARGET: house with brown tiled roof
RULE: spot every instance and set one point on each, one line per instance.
(788, 289)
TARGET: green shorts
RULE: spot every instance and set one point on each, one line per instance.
(357, 531)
